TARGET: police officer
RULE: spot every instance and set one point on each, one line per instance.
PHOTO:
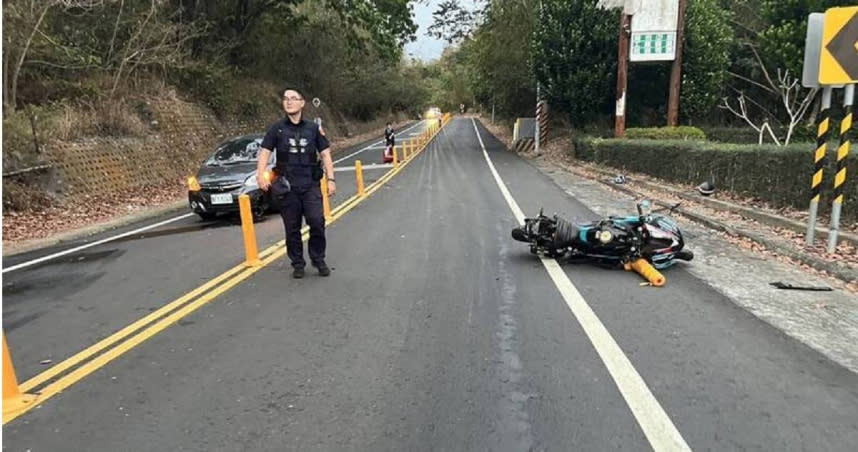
(302, 152)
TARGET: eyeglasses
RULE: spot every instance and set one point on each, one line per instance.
(292, 99)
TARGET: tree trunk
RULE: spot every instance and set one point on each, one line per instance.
(12, 101)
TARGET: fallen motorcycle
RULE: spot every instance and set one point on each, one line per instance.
(645, 243)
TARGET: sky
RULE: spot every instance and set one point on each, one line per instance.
(425, 47)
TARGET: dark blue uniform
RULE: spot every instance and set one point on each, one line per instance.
(297, 147)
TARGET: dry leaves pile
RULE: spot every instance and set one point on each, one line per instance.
(81, 212)
(86, 211)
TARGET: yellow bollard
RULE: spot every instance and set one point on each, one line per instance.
(326, 203)
(395, 158)
(13, 399)
(646, 270)
(359, 175)
(247, 228)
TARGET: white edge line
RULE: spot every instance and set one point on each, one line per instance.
(96, 243)
(374, 143)
(146, 228)
(653, 420)
(366, 167)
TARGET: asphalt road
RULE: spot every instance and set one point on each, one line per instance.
(436, 331)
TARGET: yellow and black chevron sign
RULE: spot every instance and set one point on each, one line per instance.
(838, 63)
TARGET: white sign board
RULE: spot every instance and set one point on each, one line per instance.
(629, 6)
(654, 30)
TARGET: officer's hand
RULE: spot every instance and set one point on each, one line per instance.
(332, 188)
(262, 181)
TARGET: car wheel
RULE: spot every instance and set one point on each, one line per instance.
(259, 210)
(207, 216)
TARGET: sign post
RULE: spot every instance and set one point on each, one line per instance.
(622, 76)
(650, 31)
(810, 79)
(838, 64)
(676, 70)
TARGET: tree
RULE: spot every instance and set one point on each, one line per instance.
(574, 51)
(23, 21)
(781, 42)
(498, 57)
(706, 57)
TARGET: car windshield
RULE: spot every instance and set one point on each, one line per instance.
(236, 151)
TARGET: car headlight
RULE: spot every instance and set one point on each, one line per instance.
(605, 237)
(251, 181)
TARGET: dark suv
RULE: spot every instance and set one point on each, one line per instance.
(229, 172)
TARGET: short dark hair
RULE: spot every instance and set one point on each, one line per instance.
(290, 88)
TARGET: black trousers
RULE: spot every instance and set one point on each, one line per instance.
(304, 203)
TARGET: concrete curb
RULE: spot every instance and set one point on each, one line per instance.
(76, 234)
(760, 216)
(838, 271)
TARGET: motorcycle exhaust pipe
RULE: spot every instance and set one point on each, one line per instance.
(646, 270)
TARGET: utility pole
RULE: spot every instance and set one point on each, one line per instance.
(676, 72)
(622, 75)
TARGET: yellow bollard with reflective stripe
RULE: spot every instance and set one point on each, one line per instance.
(359, 174)
(247, 229)
(326, 203)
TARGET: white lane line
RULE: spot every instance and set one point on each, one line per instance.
(96, 243)
(654, 421)
(146, 228)
(375, 143)
(366, 167)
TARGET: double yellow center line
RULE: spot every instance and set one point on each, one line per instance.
(70, 371)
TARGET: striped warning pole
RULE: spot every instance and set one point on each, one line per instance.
(537, 139)
(542, 120)
(840, 175)
(819, 162)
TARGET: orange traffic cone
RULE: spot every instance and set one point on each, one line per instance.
(14, 401)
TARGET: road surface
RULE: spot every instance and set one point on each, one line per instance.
(435, 332)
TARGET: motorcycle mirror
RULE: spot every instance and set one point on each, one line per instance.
(644, 207)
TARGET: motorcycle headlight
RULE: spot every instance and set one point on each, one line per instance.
(605, 237)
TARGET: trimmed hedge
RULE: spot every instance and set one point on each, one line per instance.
(747, 135)
(779, 175)
(666, 133)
